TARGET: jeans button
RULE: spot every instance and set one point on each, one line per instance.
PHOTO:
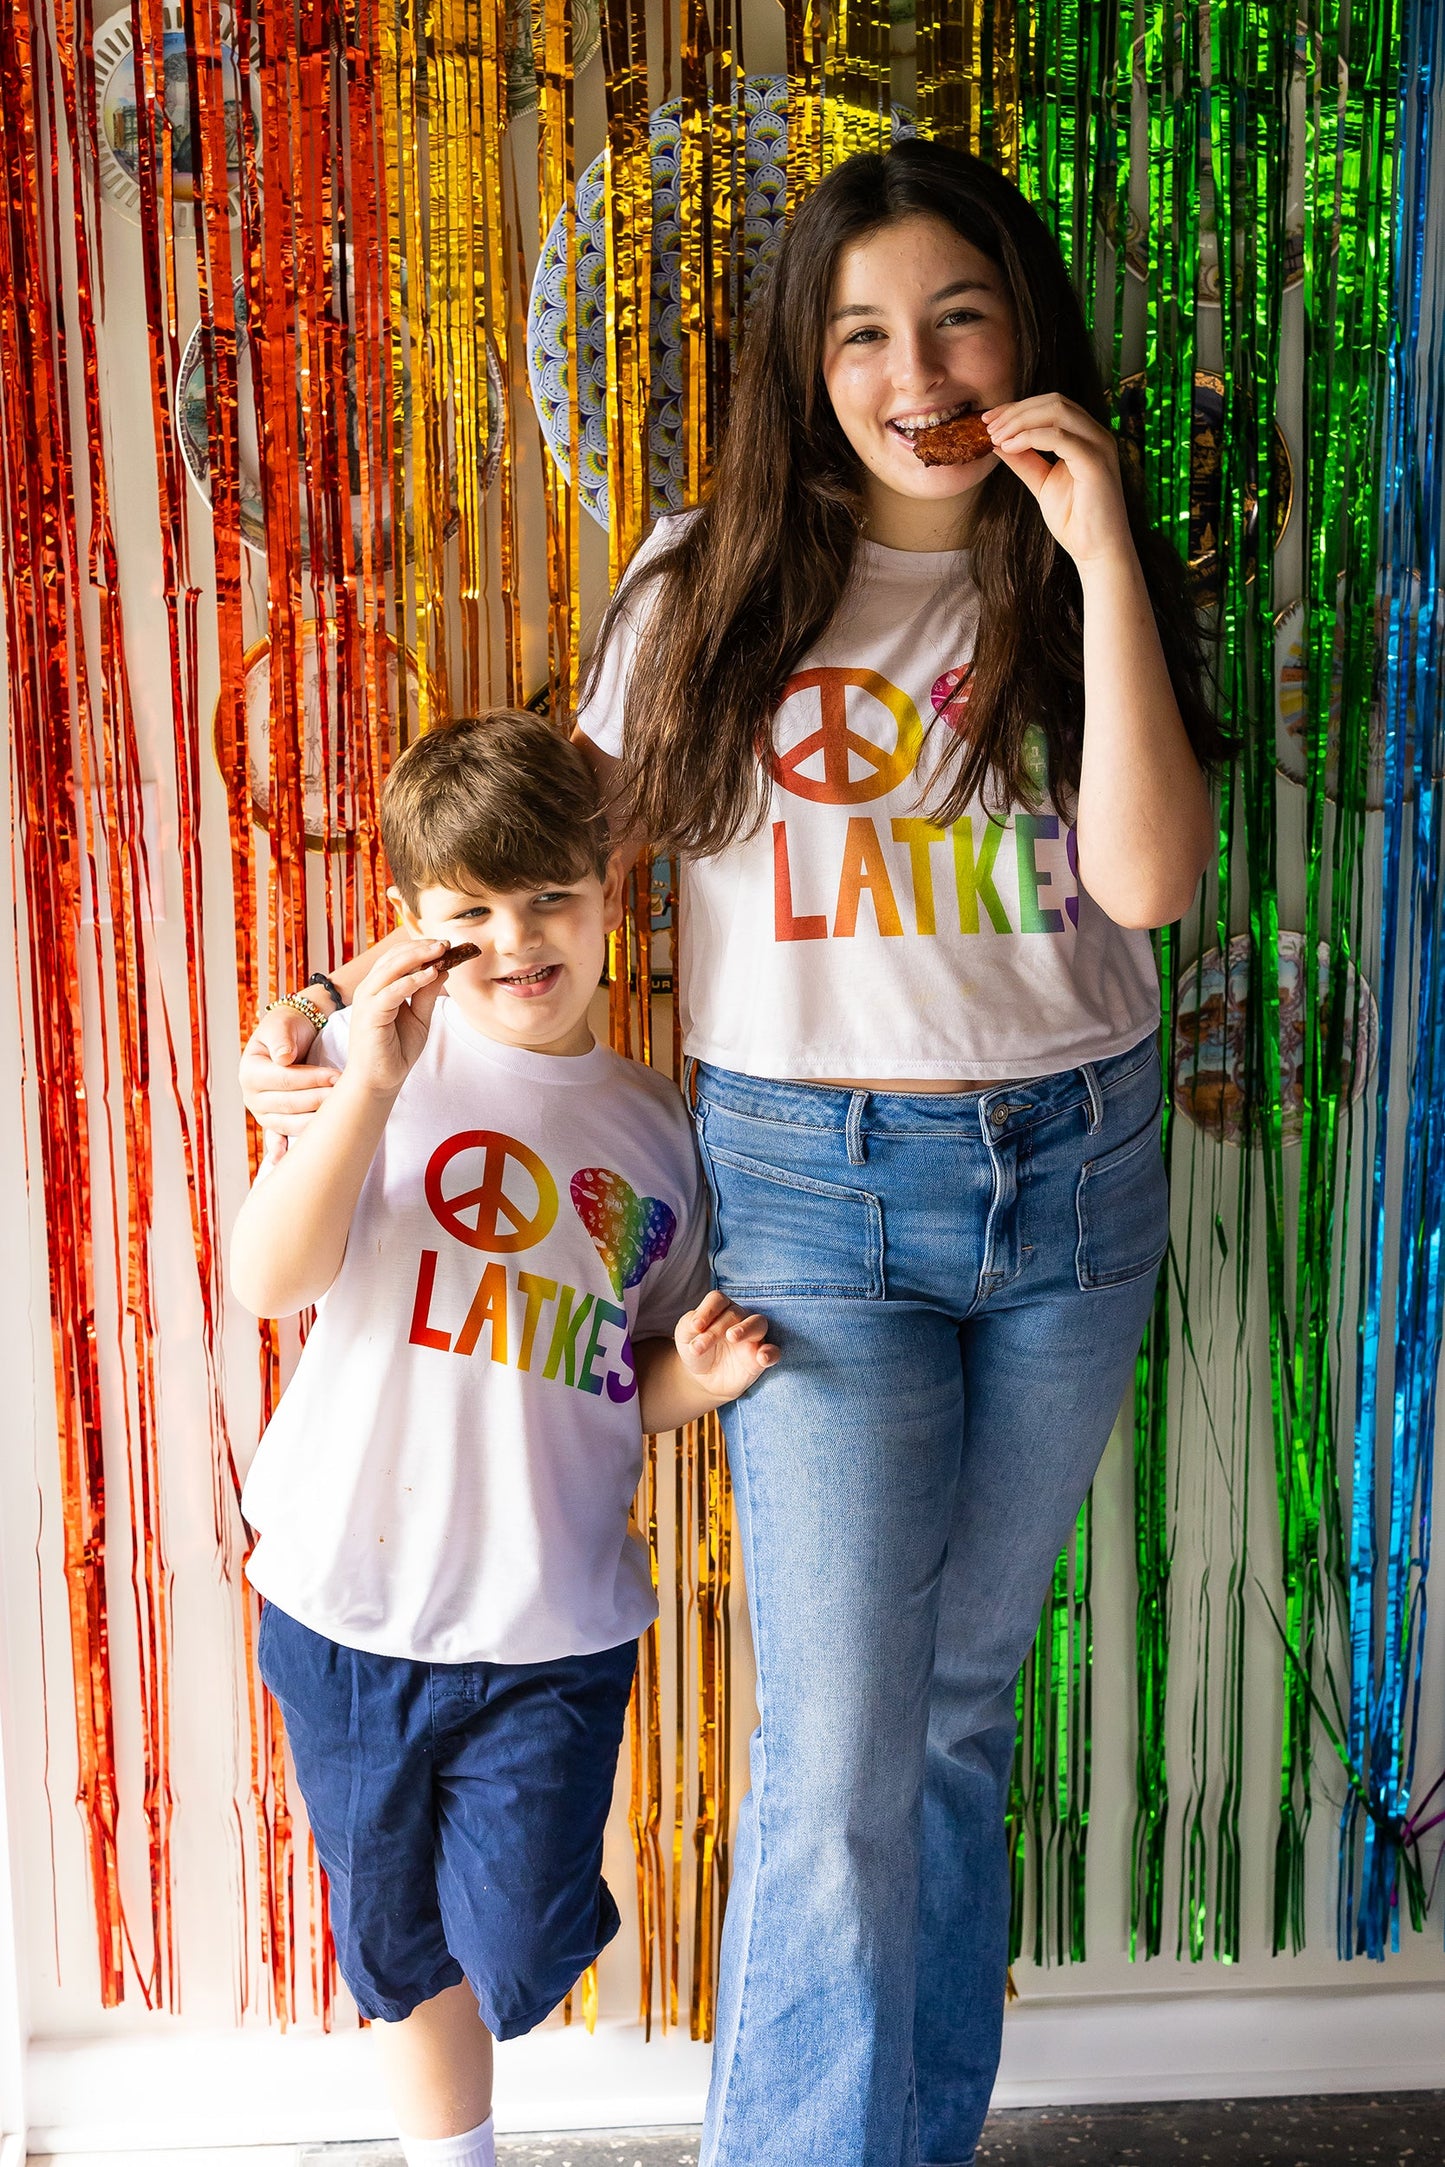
(1000, 1115)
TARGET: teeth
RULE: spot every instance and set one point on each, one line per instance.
(916, 424)
(528, 978)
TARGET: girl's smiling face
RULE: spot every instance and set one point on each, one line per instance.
(920, 328)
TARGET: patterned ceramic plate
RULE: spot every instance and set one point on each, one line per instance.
(1289, 680)
(663, 913)
(193, 415)
(1208, 1068)
(765, 155)
(1207, 289)
(521, 67)
(1205, 478)
(327, 825)
(903, 27)
(1292, 247)
(193, 424)
(118, 109)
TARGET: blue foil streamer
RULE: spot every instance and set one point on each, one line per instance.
(1387, 1628)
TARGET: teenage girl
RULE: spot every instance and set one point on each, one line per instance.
(931, 743)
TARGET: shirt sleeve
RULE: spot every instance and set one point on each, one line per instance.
(329, 1049)
(678, 1281)
(600, 717)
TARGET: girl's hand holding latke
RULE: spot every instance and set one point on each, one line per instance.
(721, 1349)
(1078, 488)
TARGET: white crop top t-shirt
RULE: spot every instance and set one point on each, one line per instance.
(850, 937)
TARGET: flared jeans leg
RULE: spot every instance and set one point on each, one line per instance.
(958, 1288)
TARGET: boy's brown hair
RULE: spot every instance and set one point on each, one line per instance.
(498, 801)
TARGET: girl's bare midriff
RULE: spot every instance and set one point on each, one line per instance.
(912, 1085)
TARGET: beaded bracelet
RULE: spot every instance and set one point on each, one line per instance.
(302, 1006)
(319, 978)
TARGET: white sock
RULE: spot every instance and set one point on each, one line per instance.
(474, 2148)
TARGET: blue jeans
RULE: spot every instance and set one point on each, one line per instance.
(958, 1285)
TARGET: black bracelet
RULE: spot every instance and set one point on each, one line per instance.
(319, 978)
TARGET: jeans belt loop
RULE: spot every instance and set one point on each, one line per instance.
(689, 1079)
(1096, 1097)
(857, 1143)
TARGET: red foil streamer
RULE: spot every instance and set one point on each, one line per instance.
(78, 838)
(335, 279)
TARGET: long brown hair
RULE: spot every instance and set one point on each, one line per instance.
(756, 577)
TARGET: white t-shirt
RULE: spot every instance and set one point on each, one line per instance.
(848, 937)
(450, 1470)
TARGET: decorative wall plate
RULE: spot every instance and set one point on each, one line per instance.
(765, 152)
(1290, 720)
(903, 28)
(1205, 481)
(521, 65)
(1136, 251)
(1106, 214)
(1208, 1067)
(1207, 286)
(120, 118)
(662, 912)
(193, 418)
(193, 427)
(329, 817)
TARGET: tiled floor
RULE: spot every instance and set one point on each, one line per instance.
(1402, 2129)
(1392, 2129)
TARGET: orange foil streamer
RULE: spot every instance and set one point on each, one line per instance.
(48, 683)
(374, 258)
(77, 823)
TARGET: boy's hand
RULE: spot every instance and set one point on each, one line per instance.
(391, 1012)
(721, 1349)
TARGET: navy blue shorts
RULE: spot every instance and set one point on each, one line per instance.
(458, 1809)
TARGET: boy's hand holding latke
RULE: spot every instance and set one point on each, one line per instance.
(391, 1013)
(721, 1349)
(291, 1233)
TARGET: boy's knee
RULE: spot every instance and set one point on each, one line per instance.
(538, 1962)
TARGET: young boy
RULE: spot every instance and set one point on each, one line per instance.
(503, 1224)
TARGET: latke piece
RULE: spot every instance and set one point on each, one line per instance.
(953, 443)
(463, 952)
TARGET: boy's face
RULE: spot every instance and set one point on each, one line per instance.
(542, 953)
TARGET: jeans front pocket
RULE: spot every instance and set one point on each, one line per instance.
(1122, 1206)
(780, 1231)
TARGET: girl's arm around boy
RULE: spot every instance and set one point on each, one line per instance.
(291, 1235)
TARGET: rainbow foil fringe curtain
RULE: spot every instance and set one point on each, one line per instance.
(404, 363)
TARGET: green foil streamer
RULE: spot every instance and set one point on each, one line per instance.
(1161, 53)
(1347, 296)
(1138, 130)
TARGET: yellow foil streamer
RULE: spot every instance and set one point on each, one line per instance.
(494, 229)
(804, 23)
(857, 79)
(948, 96)
(628, 234)
(552, 50)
